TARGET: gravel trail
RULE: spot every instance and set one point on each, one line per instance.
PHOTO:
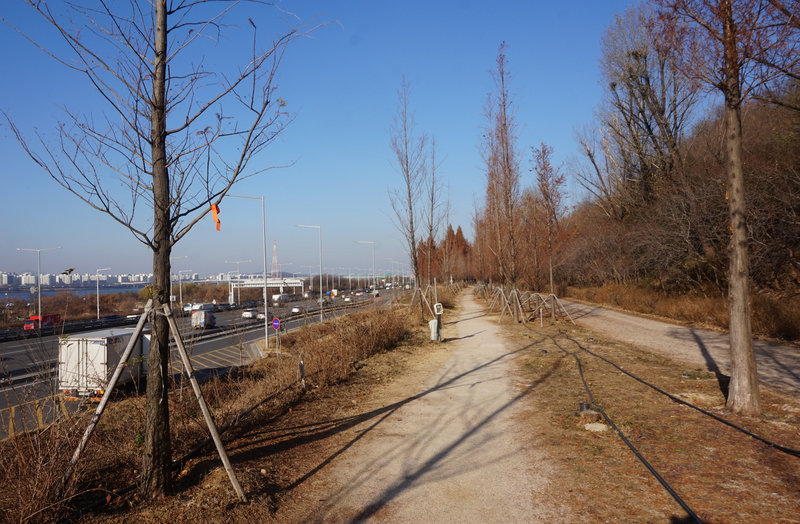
(450, 451)
(778, 364)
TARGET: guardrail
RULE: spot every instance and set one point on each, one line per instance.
(10, 334)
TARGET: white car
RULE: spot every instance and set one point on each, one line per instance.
(347, 299)
(250, 313)
(295, 309)
(261, 316)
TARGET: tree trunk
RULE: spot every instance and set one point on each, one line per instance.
(552, 288)
(157, 449)
(743, 395)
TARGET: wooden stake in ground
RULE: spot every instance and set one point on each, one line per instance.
(212, 428)
(123, 361)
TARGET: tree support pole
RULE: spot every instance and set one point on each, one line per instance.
(123, 361)
(212, 428)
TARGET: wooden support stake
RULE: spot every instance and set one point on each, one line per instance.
(123, 361)
(37, 406)
(212, 428)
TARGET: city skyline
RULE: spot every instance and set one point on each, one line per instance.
(340, 85)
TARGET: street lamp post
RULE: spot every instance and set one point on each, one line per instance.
(280, 273)
(170, 276)
(180, 285)
(239, 276)
(39, 274)
(319, 230)
(371, 242)
(230, 287)
(264, 248)
(97, 281)
(310, 280)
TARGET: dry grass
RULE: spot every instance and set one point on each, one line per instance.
(773, 317)
(31, 464)
(722, 474)
(31, 468)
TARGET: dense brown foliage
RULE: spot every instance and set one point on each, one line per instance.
(678, 242)
(654, 170)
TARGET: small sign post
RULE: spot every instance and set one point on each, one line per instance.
(276, 325)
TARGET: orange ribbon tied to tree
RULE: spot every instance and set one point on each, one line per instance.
(215, 215)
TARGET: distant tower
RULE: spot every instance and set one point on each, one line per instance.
(276, 269)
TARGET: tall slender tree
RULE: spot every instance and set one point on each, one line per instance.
(178, 136)
(550, 182)
(725, 43)
(409, 152)
(502, 172)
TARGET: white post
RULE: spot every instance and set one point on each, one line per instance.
(264, 248)
(39, 274)
(97, 281)
(374, 279)
(180, 286)
(319, 229)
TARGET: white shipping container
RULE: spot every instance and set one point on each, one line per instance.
(86, 361)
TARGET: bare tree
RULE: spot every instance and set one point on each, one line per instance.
(502, 171)
(409, 151)
(724, 44)
(166, 143)
(648, 101)
(432, 212)
(550, 182)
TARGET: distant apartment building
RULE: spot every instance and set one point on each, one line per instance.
(27, 279)
(4, 279)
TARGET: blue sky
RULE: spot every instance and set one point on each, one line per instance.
(340, 84)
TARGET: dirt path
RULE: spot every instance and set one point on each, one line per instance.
(449, 452)
(778, 365)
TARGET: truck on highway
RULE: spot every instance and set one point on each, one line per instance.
(203, 306)
(47, 321)
(203, 319)
(86, 362)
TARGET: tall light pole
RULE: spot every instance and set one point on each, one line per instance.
(372, 242)
(239, 276)
(170, 275)
(97, 281)
(230, 287)
(39, 273)
(264, 248)
(180, 286)
(319, 229)
(280, 273)
(310, 280)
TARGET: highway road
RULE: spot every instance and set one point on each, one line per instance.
(28, 396)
